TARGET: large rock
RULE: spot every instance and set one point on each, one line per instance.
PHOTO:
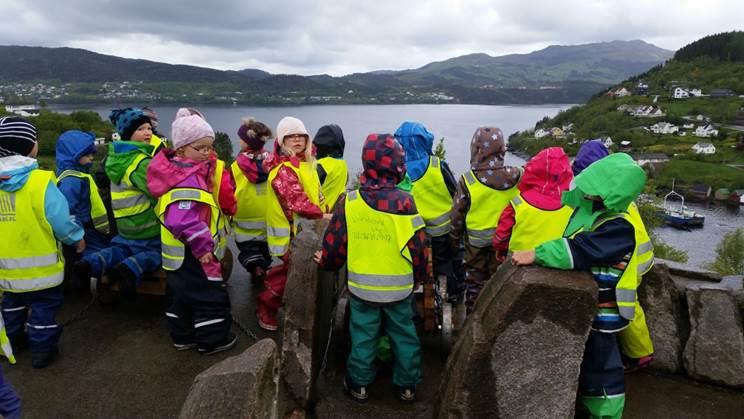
(306, 316)
(519, 353)
(666, 316)
(715, 349)
(242, 386)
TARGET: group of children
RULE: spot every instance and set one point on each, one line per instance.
(175, 208)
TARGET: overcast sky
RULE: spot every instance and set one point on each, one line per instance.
(341, 37)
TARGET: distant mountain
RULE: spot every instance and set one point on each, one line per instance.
(604, 63)
(19, 63)
(556, 74)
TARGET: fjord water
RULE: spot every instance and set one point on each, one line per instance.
(456, 123)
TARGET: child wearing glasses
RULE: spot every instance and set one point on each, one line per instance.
(195, 195)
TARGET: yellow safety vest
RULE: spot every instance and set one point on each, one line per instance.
(31, 259)
(97, 210)
(433, 200)
(379, 261)
(5, 343)
(249, 222)
(156, 143)
(486, 206)
(625, 290)
(278, 229)
(334, 184)
(173, 250)
(127, 199)
(645, 248)
(534, 226)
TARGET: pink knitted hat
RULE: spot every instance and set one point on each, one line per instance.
(188, 127)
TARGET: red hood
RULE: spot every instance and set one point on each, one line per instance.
(277, 157)
(545, 177)
(166, 171)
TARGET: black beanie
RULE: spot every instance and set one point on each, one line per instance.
(17, 136)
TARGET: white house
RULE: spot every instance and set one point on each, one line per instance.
(625, 143)
(607, 141)
(623, 108)
(695, 92)
(647, 158)
(704, 148)
(688, 126)
(680, 93)
(706, 131)
(621, 92)
(663, 128)
(568, 127)
(541, 133)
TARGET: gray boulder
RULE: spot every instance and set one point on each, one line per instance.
(666, 316)
(242, 386)
(715, 349)
(306, 316)
(520, 351)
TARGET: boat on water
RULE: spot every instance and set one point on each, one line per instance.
(676, 214)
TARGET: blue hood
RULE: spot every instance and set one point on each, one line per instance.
(417, 142)
(72, 145)
(14, 172)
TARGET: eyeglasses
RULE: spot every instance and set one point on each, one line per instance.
(202, 149)
(295, 137)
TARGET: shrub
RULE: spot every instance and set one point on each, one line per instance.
(729, 254)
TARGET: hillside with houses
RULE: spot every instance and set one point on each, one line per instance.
(684, 119)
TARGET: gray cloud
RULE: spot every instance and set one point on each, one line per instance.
(304, 37)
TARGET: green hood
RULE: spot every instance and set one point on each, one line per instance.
(120, 156)
(617, 179)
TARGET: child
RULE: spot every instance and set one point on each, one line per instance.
(536, 215)
(635, 341)
(10, 404)
(33, 216)
(379, 223)
(600, 238)
(250, 177)
(482, 193)
(188, 183)
(294, 192)
(433, 188)
(75, 153)
(135, 250)
(332, 170)
(157, 140)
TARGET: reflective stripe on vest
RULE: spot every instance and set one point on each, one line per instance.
(334, 184)
(249, 222)
(5, 343)
(645, 248)
(433, 200)
(98, 215)
(32, 259)
(278, 229)
(375, 236)
(534, 226)
(173, 250)
(625, 290)
(127, 199)
(486, 206)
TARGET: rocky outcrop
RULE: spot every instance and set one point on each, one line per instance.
(715, 349)
(666, 316)
(520, 351)
(242, 386)
(306, 313)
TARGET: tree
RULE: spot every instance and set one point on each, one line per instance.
(223, 146)
(729, 254)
